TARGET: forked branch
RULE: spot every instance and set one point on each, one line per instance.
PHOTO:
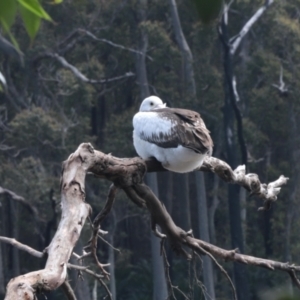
(128, 173)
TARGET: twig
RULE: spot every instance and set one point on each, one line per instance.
(88, 33)
(21, 246)
(167, 274)
(66, 287)
(20, 199)
(81, 76)
(236, 41)
(107, 243)
(223, 271)
(96, 225)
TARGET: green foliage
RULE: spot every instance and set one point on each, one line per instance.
(208, 9)
(31, 12)
(48, 112)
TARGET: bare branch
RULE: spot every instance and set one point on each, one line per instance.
(96, 225)
(127, 173)
(88, 33)
(74, 213)
(20, 199)
(251, 182)
(281, 87)
(222, 270)
(21, 246)
(81, 76)
(236, 40)
(66, 287)
(95, 275)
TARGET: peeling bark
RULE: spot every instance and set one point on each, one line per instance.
(128, 173)
(74, 213)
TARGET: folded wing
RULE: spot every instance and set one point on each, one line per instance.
(173, 127)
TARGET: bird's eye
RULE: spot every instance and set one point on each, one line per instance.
(151, 103)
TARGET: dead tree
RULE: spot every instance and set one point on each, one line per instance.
(128, 174)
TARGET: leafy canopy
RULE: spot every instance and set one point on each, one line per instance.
(31, 13)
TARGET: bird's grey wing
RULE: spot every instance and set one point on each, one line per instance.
(155, 128)
(188, 129)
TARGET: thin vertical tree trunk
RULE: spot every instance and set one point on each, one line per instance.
(290, 210)
(236, 232)
(15, 255)
(5, 248)
(204, 235)
(160, 291)
(111, 257)
(94, 292)
(232, 115)
(212, 210)
(190, 92)
(80, 285)
(2, 280)
(181, 200)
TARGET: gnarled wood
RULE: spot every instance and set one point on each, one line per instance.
(74, 214)
(128, 173)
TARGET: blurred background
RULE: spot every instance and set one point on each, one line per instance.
(82, 76)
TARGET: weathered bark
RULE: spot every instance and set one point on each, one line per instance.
(250, 182)
(74, 213)
(128, 173)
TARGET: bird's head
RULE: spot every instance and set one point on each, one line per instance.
(152, 102)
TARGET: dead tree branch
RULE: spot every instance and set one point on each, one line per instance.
(236, 40)
(81, 76)
(268, 192)
(128, 173)
(74, 213)
(20, 199)
(89, 34)
(66, 287)
(21, 246)
(96, 225)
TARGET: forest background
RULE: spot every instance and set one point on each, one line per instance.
(79, 81)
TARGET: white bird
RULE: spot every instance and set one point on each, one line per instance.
(178, 138)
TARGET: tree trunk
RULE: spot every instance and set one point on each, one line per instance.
(290, 209)
(160, 291)
(14, 256)
(190, 92)
(236, 231)
(111, 257)
(2, 280)
(204, 235)
(186, 54)
(79, 284)
(94, 292)
(181, 199)
(212, 210)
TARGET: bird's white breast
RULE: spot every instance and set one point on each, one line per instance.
(179, 159)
